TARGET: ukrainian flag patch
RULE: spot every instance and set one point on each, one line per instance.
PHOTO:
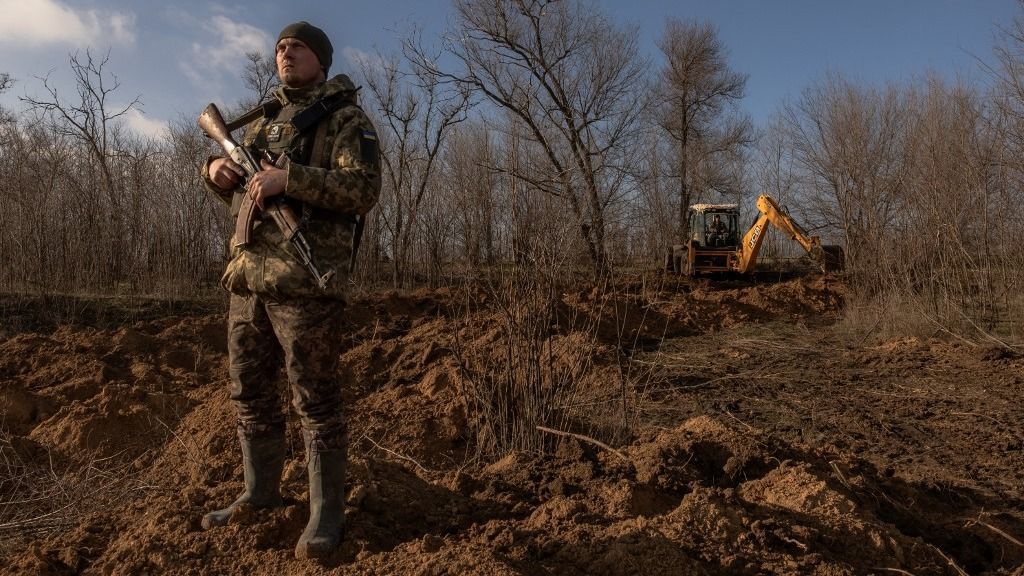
(368, 147)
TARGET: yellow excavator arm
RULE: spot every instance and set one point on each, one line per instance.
(771, 212)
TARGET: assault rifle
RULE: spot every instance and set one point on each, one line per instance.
(212, 123)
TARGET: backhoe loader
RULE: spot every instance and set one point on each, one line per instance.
(715, 244)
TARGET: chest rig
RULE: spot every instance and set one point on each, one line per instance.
(277, 135)
(290, 130)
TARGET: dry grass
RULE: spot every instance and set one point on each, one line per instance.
(543, 364)
(902, 312)
(515, 376)
(38, 498)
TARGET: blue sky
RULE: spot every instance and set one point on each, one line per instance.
(180, 55)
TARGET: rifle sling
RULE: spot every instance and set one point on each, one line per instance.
(306, 118)
(357, 236)
(263, 110)
(316, 111)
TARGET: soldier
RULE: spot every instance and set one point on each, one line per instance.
(277, 312)
(716, 231)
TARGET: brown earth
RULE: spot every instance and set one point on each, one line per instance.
(763, 437)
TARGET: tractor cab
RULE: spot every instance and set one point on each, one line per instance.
(713, 243)
(714, 225)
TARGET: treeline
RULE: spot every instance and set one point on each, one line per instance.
(544, 136)
(92, 208)
(921, 183)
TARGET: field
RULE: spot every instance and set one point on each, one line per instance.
(726, 428)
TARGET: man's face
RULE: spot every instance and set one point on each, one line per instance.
(297, 65)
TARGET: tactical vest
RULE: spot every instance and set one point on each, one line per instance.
(296, 131)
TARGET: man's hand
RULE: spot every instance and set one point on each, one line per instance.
(266, 183)
(226, 173)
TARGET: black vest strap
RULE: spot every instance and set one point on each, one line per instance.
(301, 121)
(316, 111)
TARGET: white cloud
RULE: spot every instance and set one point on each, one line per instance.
(191, 71)
(47, 22)
(226, 54)
(357, 57)
(362, 60)
(234, 40)
(143, 126)
(122, 28)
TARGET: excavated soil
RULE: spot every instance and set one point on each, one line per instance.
(727, 428)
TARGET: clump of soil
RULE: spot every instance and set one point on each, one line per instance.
(759, 440)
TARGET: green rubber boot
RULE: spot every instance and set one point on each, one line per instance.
(262, 464)
(326, 524)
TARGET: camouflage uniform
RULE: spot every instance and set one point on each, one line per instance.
(276, 306)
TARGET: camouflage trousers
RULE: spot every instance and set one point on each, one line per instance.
(303, 335)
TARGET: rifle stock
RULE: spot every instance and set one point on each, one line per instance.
(212, 123)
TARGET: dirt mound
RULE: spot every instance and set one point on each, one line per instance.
(651, 313)
(750, 451)
(93, 394)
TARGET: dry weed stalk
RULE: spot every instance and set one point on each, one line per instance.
(395, 454)
(37, 499)
(514, 379)
(998, 531)
(588, 439)
(533, 366)
(952, 563)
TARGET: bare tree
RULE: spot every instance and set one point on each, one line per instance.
(654, 210)
(6, 81)
(697, 96)
(417, 113)
(90, 117)
(472, 184)
(189, 244)
(92, 120)
(259, 76)
(775, 174)
(848, 143)
(575, 82)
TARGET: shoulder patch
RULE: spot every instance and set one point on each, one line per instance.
(368, 151)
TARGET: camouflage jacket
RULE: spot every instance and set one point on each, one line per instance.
(331, 190)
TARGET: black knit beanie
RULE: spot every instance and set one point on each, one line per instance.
(313, 37)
